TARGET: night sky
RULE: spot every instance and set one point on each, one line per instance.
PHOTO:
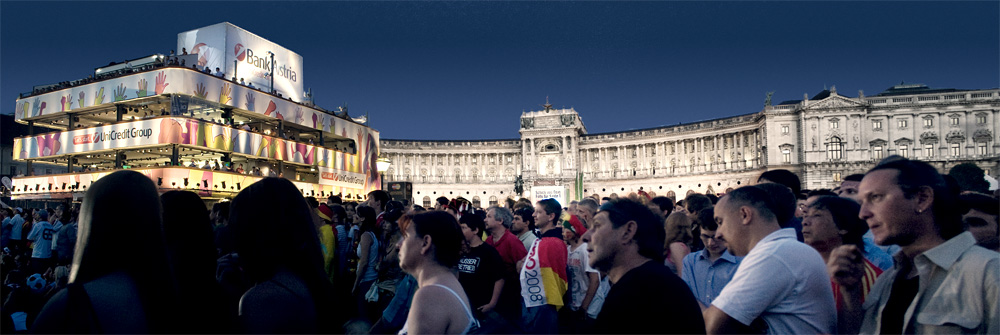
(466, 70)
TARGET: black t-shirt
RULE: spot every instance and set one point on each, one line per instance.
(650, 299)
(478, 271)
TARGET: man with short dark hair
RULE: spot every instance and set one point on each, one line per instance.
(378, 199)
(780, 281)
(707, 271)
(441, 203)
(982, 219)
(480, 269)
(849, 187)
(941, 282)
(662, 206)
(543, 272)
(523, 226)
(696, 202)
(626, 242)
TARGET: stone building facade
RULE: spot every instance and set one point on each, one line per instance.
(823, 139)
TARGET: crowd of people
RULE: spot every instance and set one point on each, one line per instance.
(899, 249)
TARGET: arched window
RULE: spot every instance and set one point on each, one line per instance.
(835, 149)
(493, 200)
(427, 201)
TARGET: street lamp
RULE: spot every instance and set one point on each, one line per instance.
(382, 165)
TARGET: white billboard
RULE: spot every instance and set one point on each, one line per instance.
(546, 192)
(244, 55)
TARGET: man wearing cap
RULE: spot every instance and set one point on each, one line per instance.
(626, 242)
(41, 235)
(543, 274)
(583, 279)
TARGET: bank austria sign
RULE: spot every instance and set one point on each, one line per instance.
(242, 54)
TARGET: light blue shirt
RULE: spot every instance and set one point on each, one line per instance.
(878, 255)
(707, 278)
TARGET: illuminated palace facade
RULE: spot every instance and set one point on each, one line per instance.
(822, 139)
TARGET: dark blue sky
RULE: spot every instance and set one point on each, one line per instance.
(466, 70)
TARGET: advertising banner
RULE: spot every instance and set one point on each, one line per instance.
(204, 182)
(545, 192)
(242, 54)
(186, 131)
(194, 85)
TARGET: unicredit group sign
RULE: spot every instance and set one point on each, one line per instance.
(244, 55)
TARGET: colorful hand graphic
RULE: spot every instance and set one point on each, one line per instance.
(226, 95)
(120, 93)
(250, 101)
(161, 83)
(200, 92)
(67, 102)
(141, 92)
(21, 110)
(299, 115)
(81, 101)
(99, 97)
(37, 108)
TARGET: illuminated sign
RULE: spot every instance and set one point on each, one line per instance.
(244, 55)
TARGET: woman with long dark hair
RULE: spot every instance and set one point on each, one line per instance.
(368, 257)
(120, 279)
(280, 254)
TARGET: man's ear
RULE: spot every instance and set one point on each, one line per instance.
(628, 231)
(925, 198)
(746, 214)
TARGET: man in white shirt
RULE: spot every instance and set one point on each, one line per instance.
(41, 235)
(781, 286)
(941, 282)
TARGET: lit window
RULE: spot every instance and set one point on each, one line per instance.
(834, 124)
(904, 150)
(928, 150)
(902, 123)
(786, 156)
(981, 148)
(954, 120)
(835, 149)
(876, 124)
(981, 119)
(928, 122)
(837, 177)
(784, 129)
(877, 152)
(956, 150)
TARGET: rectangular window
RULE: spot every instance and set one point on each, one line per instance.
(928, 150)
(903, 123)
(786, 156)
(834, 151)
(877, 152)
(928, 122)
(956, 150)
(981, 149)
(834, 124)
(784, 130)
(837, 177)
(904, 150)
(954, 121)
(877, 125)
(980, 119)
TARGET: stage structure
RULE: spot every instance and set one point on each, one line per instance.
(191, 130)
